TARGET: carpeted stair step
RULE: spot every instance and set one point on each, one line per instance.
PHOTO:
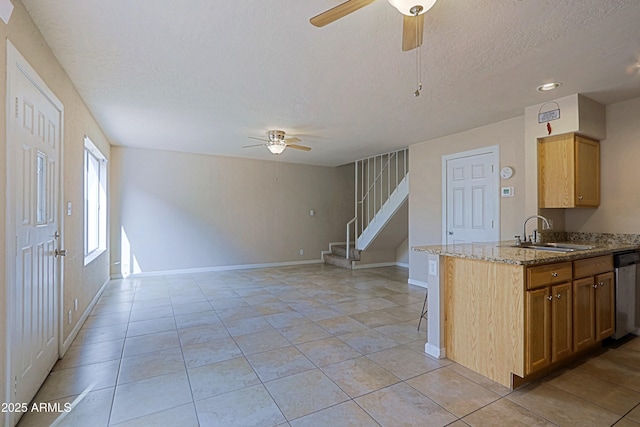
(337, 260)
(341, 250)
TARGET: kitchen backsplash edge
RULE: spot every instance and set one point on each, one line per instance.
(604, 238)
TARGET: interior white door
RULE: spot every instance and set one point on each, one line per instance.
(471, 197)
(34, 132)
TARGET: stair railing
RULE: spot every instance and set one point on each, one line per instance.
(376, 178)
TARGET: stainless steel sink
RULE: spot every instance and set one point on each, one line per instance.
(554, 247)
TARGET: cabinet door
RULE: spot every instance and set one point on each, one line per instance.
(587, 170)
(556, 171)
(605, 305)
(584, 333)
(538, 339)
(561, 322)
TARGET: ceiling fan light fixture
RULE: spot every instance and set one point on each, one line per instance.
(406, 7)
(277, 148)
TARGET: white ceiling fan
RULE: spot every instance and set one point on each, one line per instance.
(413, 11)
(277, 142)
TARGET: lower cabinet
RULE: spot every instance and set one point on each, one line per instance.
(605, 305)
(549, 326)
(584, 313)
(564, 318)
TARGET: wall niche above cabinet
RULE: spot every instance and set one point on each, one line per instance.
(568, 171)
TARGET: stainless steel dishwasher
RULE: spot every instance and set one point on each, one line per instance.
(627, 271)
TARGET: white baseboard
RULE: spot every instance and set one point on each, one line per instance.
(434, 351)
(379, 264)
(74, 332)
(220, 268)
(418, 283)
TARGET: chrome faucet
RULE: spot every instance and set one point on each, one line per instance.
(546, 225)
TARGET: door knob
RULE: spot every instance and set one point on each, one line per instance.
(60, 252)
(450, 233)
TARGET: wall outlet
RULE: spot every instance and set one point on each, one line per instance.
(433, 267)
(550, 223)
(301, 251)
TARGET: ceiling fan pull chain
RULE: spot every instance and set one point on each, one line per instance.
(418, 61)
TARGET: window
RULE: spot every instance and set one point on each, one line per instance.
(95, 202)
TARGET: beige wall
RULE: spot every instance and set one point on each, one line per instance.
(425, 186)
(79, 281)
(186, 211)
(619, 210)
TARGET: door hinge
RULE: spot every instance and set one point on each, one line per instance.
(492, 224)
(15, 385)
(17, 107)
(491, 168)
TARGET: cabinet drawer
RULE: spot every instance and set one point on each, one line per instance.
(592, 266)
(548, 274)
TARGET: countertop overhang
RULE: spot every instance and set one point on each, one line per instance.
(501, 252)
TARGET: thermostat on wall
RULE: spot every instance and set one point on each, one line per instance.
(507, 192)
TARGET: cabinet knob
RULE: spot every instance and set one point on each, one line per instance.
(554, 274)
(595, 286)
(602, 284)
(558, 296)
(550, 297)
(580, 197)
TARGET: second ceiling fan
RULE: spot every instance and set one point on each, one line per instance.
(413, 11)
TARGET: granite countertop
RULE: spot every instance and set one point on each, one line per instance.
(503, 253)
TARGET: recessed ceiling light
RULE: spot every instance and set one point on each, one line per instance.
(548, 86)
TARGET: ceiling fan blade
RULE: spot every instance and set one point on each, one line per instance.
(412, 32)
(253, 145)
(258, 139)
(299, 147)
(338, 12)
(292, 139)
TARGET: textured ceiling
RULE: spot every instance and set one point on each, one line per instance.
(202, 76)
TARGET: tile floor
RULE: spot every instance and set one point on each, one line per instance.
(302, 346)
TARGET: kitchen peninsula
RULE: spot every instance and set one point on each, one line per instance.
(512, 313)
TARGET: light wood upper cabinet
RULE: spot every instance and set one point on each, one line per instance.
(568, 171)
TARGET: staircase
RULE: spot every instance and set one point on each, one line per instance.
(337, 255)
(381, 189)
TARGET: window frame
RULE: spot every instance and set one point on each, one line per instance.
(99, 198)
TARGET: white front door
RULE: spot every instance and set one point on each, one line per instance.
(33, 164)
(471, 196)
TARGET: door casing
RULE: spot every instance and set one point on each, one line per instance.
(494, 151)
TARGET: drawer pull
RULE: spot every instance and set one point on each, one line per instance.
(554, 274)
